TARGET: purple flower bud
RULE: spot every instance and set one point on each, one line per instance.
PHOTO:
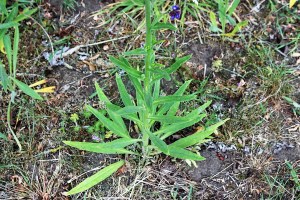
(175, 13)
(175, 7)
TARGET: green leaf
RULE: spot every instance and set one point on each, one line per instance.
(233, 6)
(2, 136)
(237, 28)
(168, 119)
(129, 110)
(123, 92)
(114, 147)
(214, 23)
(8, 50)
(13, 13)
(26, 89)
(15, 49)
(96, 178)
(25, 14)
(160, 144)
(3, 77)
(172, 108)
(173, 128)
(138, 87)
(8, 25)
(174, 66)
(184, 154)
(100, 93)
(127, 68)
(173, 98)
(114, 127)
(159, 26)
(197, 137)
(138, 51)
(111, 108)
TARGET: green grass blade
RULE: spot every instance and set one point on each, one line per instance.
(127, 68)
(184, 154)
(113, 126)
(197, 137)
(96, 178)
(173, 99)
(26, 89)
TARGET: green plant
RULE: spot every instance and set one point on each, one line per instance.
(70, 4)
(9, 19)
(284, 184)
(296, 106)
(155, 116)
(225, 12)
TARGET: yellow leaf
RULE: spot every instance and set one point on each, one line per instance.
(2, 46)
(38, 83)
(46, 90)
(292, 3)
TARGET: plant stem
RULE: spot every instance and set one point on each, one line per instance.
(9, 126)
(147, 80)
(149, 49)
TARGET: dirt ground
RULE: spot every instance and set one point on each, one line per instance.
(246, 159)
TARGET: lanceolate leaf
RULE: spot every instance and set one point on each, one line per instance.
(173, 128)
(173, 98)
(159, 26)
(127, 68)
(160, 144)
(3, 77)
(96, 178)
(123, 92)
(184, 154)
(8, 50)
(172, 108)
(138, 51)
(129, 110)
(168, 119)
(8, 25)
(111, 107)
(114, 127)
(114, 147)
(100, 93)
(197, 136)
(27, 90)
(174, 66)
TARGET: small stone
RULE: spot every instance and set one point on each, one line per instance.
(105, 47)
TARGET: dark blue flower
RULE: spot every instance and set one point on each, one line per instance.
(175, 13)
